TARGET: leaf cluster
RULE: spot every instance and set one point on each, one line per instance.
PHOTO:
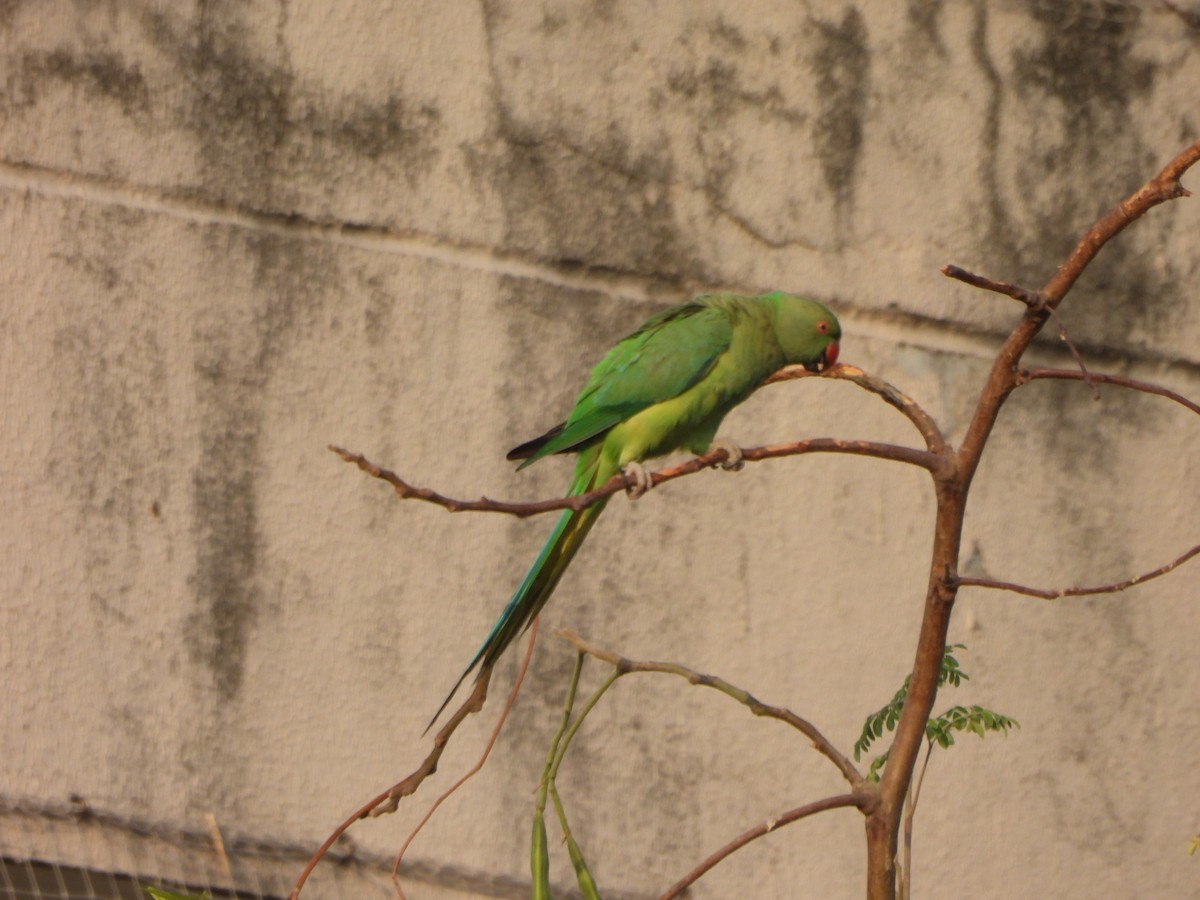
(939, 729)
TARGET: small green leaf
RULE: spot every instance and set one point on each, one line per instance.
(160, 894)
(1194, 845)
(876, 764)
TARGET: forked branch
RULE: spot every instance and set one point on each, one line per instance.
(820, 743)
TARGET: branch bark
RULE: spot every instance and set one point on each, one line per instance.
(820, 743)
(1057, 593)
(793, 815)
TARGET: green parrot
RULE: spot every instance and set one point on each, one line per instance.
(665, 387)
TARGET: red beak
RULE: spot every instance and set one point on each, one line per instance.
(826, 360)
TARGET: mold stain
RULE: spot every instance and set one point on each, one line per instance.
(99, 75)
(258, 124)
(840, 63)
(238, 353)
(598, 203)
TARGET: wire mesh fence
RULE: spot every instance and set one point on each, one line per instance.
(60, 851)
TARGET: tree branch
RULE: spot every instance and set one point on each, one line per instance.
(389, 800)
(1159, 189)
(1024, 376)
(1032, 299)
(935, 441)
(621, 481)
(1055, 594)
(930, 459)
(483, 757)
(820, 743)
(793, 815)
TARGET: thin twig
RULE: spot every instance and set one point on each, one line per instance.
(820, 743)
(1032, 299)
(793, 815)
(214, 830)
(935, 441)
(1035, 300)
(550, 769)
(562, 742)
(1161, 188)
(1057, 593)
(1062, 336)
(487, 750)
(388, 801)
(362, 811)
(910, 810)
(1024, 376)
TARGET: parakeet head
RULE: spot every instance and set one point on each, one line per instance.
(807, 332)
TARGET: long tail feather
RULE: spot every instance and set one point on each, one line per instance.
(542, 578)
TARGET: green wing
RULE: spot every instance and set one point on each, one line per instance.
(662, 359)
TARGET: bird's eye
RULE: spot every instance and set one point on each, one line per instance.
(823, 327)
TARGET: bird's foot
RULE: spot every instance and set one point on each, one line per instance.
(733, 455)
(641, 479)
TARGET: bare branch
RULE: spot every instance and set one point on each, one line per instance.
(621, 482)
(1162, 187)
(793, 815)
(1024, 376)
(1032, 299)
(483, 757)
(406, 491)
(1062, 336)
(820, 743)
(935, 441)
(1055, 594)
(389, 800)
(1035, 300)
(361, 812)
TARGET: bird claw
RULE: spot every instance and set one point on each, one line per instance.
(733, 461)
(641, 479)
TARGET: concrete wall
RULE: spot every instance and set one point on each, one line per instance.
(234, 233)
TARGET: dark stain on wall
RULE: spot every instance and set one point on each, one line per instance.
(840, 63)
(725, 80)
(1082, 78)
(259, 125)
(225, 516)
(600, 204)
(100, 75)
(716, 88)
(237, 353)
(8, 10)
(923, 24)
(1074, 83)
(394, 126)
(1000, 234)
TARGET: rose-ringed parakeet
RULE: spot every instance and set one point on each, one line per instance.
(665, 387)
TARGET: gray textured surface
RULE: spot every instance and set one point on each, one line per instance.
(235, 233)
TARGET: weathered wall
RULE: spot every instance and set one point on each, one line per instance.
(235, 233)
